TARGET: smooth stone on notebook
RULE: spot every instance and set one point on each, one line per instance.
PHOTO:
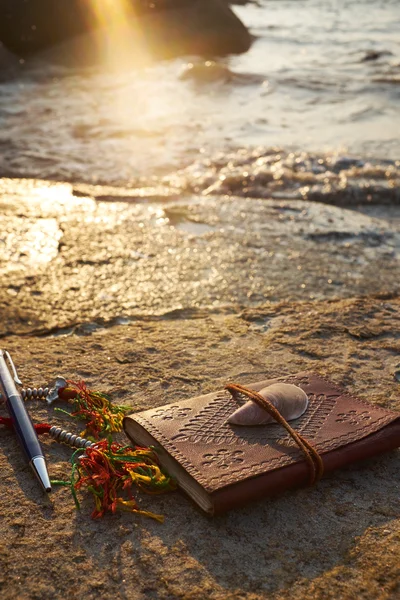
(290, 400)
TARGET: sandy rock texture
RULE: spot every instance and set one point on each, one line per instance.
(156, 302)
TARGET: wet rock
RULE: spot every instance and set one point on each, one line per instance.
(372, 55)
(206, 27)
(207, 72)
(210, 71)
(345, 162)
(66, 260)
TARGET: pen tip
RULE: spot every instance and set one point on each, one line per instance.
(39, 466)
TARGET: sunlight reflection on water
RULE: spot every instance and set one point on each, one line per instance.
(314, 88)
(27, 245)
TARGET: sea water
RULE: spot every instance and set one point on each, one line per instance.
(311, 111)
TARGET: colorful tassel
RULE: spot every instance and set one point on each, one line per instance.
(101, 416)
(108, 469)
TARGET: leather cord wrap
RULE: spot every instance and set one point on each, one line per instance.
(314, 460)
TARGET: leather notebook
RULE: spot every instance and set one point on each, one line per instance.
(222, 466)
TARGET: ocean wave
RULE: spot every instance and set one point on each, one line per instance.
(277, 173)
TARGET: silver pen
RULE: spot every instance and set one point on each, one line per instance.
(22, 423)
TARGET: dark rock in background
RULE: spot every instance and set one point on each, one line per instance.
(9, 64)
(167, 27)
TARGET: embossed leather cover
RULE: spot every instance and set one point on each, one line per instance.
(222, 466)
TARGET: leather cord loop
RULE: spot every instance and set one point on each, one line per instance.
(314, 460)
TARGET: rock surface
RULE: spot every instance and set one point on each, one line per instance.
(161, 301)
(70, 258)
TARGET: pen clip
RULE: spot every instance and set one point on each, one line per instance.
(14, 370)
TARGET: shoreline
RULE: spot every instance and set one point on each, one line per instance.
(163, 245)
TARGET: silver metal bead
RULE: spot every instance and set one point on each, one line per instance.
(39, 393)
(68, 438)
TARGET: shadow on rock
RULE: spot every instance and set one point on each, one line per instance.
(263, 548)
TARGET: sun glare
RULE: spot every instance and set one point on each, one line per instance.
(108, 12)
(121, 31)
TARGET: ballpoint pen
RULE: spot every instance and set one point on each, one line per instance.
(22, 423)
